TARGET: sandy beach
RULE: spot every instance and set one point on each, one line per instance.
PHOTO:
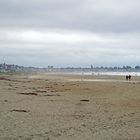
(69, 107)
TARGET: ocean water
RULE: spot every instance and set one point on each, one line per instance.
(107, 73)
(117, 73)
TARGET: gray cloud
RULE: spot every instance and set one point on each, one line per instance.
(70, 32)
(76, 54)
(93, 15)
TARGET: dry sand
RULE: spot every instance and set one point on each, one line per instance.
(69, 107)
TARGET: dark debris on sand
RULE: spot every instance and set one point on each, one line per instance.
(19, 110)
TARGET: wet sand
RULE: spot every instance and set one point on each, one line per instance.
(69, 107)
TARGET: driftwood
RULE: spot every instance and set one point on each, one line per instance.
(19, 110)
(29, 93)
(84, 100)
(3, 78)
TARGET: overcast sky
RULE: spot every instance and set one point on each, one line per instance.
(70, 32)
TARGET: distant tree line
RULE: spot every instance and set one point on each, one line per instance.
(123, 67)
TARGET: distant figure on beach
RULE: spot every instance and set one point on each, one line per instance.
(129, 77)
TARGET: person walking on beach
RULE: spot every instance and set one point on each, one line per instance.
(129, 77)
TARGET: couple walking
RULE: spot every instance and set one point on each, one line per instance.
(128, 77)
